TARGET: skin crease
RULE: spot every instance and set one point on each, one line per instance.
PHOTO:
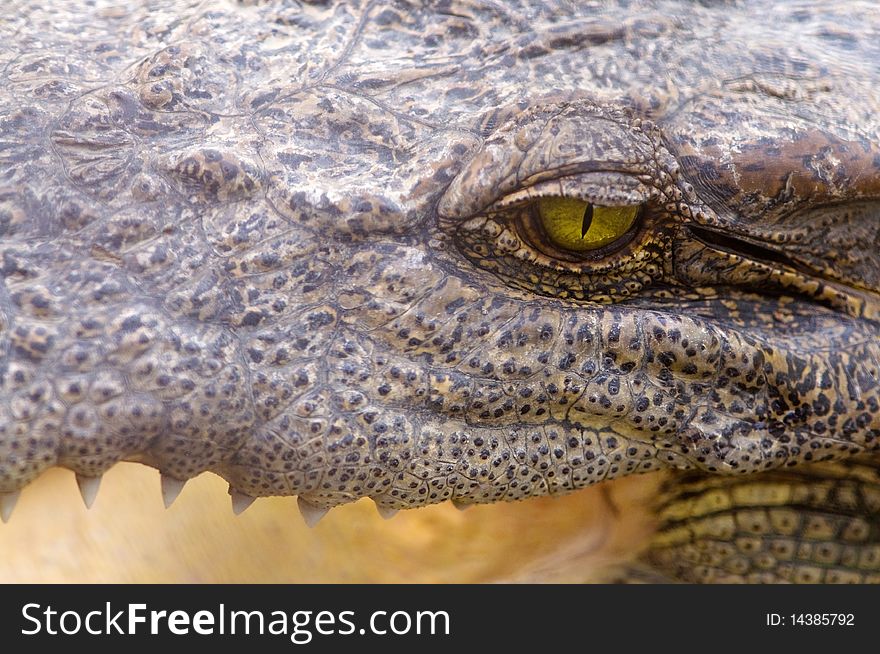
(233, 245)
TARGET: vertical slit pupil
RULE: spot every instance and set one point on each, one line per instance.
(587, 220)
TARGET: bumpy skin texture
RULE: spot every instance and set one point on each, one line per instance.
(293, 244)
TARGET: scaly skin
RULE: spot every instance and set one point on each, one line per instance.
(295, 246)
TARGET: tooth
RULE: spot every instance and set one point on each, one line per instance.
(386, 512)
(461, 506)
(311, 514)
(7, 504)
(240, 501)
(88, 488)
(171, 488)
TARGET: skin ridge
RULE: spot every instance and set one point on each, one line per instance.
(297, 247)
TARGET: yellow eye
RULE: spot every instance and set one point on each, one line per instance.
(576, 225)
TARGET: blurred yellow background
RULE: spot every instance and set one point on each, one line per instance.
(129, 537)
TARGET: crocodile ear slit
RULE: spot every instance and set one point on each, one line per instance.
(311, 514)
(7, 504)
(88, 488)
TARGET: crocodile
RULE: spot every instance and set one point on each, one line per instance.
(462, 250)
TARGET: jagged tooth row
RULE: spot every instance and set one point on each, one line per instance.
(171, 488)
(240, 501)
(88, 488)
(7, 504)
(311, 514)
(385, 512)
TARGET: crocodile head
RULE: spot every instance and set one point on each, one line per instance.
(326, 250)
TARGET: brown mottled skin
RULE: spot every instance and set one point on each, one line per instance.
(295, 244)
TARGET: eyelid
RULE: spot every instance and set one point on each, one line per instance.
(608, 189)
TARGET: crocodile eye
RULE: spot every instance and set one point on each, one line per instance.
(578, 226)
